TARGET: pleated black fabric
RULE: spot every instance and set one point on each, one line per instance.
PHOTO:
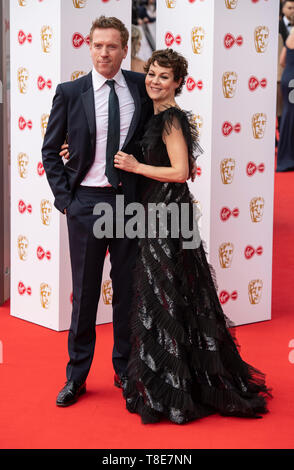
(185, 362)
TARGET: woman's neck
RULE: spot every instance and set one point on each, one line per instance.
(158, 107)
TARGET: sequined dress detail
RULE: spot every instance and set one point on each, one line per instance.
(185, 362)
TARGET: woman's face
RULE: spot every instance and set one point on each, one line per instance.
(160, 83)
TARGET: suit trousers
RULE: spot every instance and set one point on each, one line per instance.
(87, 253)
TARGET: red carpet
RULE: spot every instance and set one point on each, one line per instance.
(33, 368)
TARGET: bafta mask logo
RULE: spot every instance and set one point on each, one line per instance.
(79, 3)
(23, 164)
(198, 122)
(229, 81)
(225, 252)
(45, 294)
(227, 170)
(231, 4)
(22, 247)
(22, 3)
(255, 291)
(197, 38)
(261, 37)
(44, 123)
(258, 125)
(256, 209)
(77, 74)
(171, 3)
(46, 38)
(22, 79)
(107, 292)
(46, 210)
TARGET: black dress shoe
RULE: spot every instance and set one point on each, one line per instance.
(120, 380)
(70, 393)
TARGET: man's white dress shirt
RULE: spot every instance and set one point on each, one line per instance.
(96, 175)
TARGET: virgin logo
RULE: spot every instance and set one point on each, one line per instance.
(41, 254)
(22, 123)
(22, 207)
(250, 251)
(191, 84)
(170, 39)
(252, 168)
(224, 296)
(42, 83)
(226, 213)
(78, 40)
(22, 289)
(254, 83)
(228, 128)
(230, 40)
(40, 169)
(22, 37)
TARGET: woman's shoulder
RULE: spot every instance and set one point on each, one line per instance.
(175, 113)
(177, 117)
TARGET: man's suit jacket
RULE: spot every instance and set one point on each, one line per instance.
(283, 30)
(73, 118)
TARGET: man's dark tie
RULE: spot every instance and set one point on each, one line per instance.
(113, 135)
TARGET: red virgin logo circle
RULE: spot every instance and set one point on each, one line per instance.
(226, 213)
(78, 40)
(230, 40)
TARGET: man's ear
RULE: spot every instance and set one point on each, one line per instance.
(126, 48)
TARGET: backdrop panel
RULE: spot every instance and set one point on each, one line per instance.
(49, 44)
(231, 46)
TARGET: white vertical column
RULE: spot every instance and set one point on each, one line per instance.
(48, 45)
(231, 46)
(189, 29)
(243, 151)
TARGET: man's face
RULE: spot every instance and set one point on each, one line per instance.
(107, 52)
(288, 10)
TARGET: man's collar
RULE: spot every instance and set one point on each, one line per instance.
(286, 21)
(99, 80)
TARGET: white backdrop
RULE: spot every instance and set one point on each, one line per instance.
(48, 45)
(231, 46)
(235, 183)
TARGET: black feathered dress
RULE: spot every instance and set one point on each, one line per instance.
(184, 362)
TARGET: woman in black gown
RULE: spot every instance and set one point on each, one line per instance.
(285, 157)
(184, 362)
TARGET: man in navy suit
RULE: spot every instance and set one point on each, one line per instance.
(106, 108)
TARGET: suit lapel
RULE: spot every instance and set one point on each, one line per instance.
(89, 107)
(137, 101)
